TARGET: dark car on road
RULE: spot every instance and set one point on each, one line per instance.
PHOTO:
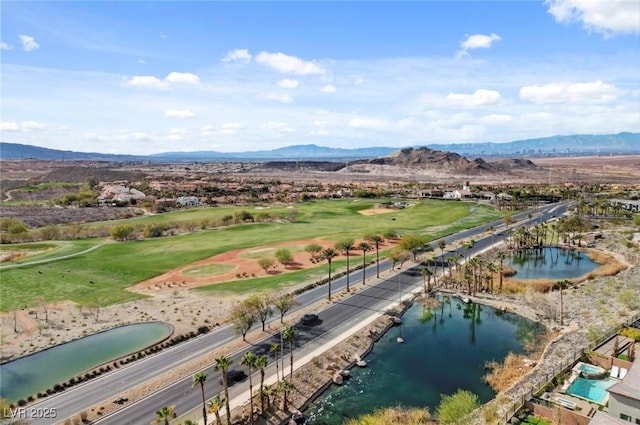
(310, 319)
(234, 376)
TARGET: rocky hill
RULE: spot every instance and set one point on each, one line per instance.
(426, 160)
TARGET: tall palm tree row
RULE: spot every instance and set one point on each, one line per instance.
(214, 405)
(376, 240)
(288, 334)
(222, 364)
(328, 254)
(164, 414)
(249, 359)
(345, 246)
(261, 363)
(199, 379)
(364, 247)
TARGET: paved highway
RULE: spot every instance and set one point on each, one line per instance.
(337, 317)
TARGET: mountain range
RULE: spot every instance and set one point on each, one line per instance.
(621, 143)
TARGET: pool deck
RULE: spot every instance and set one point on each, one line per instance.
(581, 406)
(607, 348)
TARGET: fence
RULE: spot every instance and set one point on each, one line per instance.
(546, 380)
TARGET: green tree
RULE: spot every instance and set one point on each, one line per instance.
(284, 257)
(285, 387)
(214, 405)
(376, 240)
(364, 247)
(164, 414)
(261, 305)
(412, 243)
(284, 303)
(249, 359)
(328, 254)
(222, 364)
(345, 246)
(122, 232)
(453, 408)
(313, 249)
(266, 263)
(243, 316)
(199, 379)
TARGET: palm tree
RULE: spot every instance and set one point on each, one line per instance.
(215, 404)
(345, 246)
(364, 247)
(562, 284)
(274, 349)
(286, 387)
(164, 414)
(328, 254)
(501, 257)
(288, 334)
(222, 363)
(199, 379)
(261, 363)
(376, 239)
(249, 360)
(268, 391)
(442, 244)
(426, 277)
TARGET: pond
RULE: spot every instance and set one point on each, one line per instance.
(29, 375)
(445, 349)
(550, 263)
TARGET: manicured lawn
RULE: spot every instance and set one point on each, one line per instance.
(210, 270)
(117, 265)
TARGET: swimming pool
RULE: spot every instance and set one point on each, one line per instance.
(594, 390)
(590, 369)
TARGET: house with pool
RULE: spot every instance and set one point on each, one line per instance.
(624, 401)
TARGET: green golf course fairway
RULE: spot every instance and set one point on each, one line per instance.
(103, 273)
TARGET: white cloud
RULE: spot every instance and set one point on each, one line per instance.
(324, 124)
(182, 78)
(178, 113)
(9, 126)
(136, 136)
(477, 41)
(278, 128)
(496, 119)
(178, 131)
(5, 46)
(288, 64)
(28, 43)
(141, 61)
(145, 81)
(29, 126)
(358, 81)
(239, 55)
(605, 17)
(232, 126)
(278, 97)
(328, 89)
(151, 82)
(480, 97)
(565, 92)
(287, 83)
(368, 123)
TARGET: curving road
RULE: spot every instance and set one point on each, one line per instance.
(335, 319)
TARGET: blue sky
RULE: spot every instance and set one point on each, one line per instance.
(154, 76)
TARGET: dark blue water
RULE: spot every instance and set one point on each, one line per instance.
(550, 263)
(445, 349)
(36, 373)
